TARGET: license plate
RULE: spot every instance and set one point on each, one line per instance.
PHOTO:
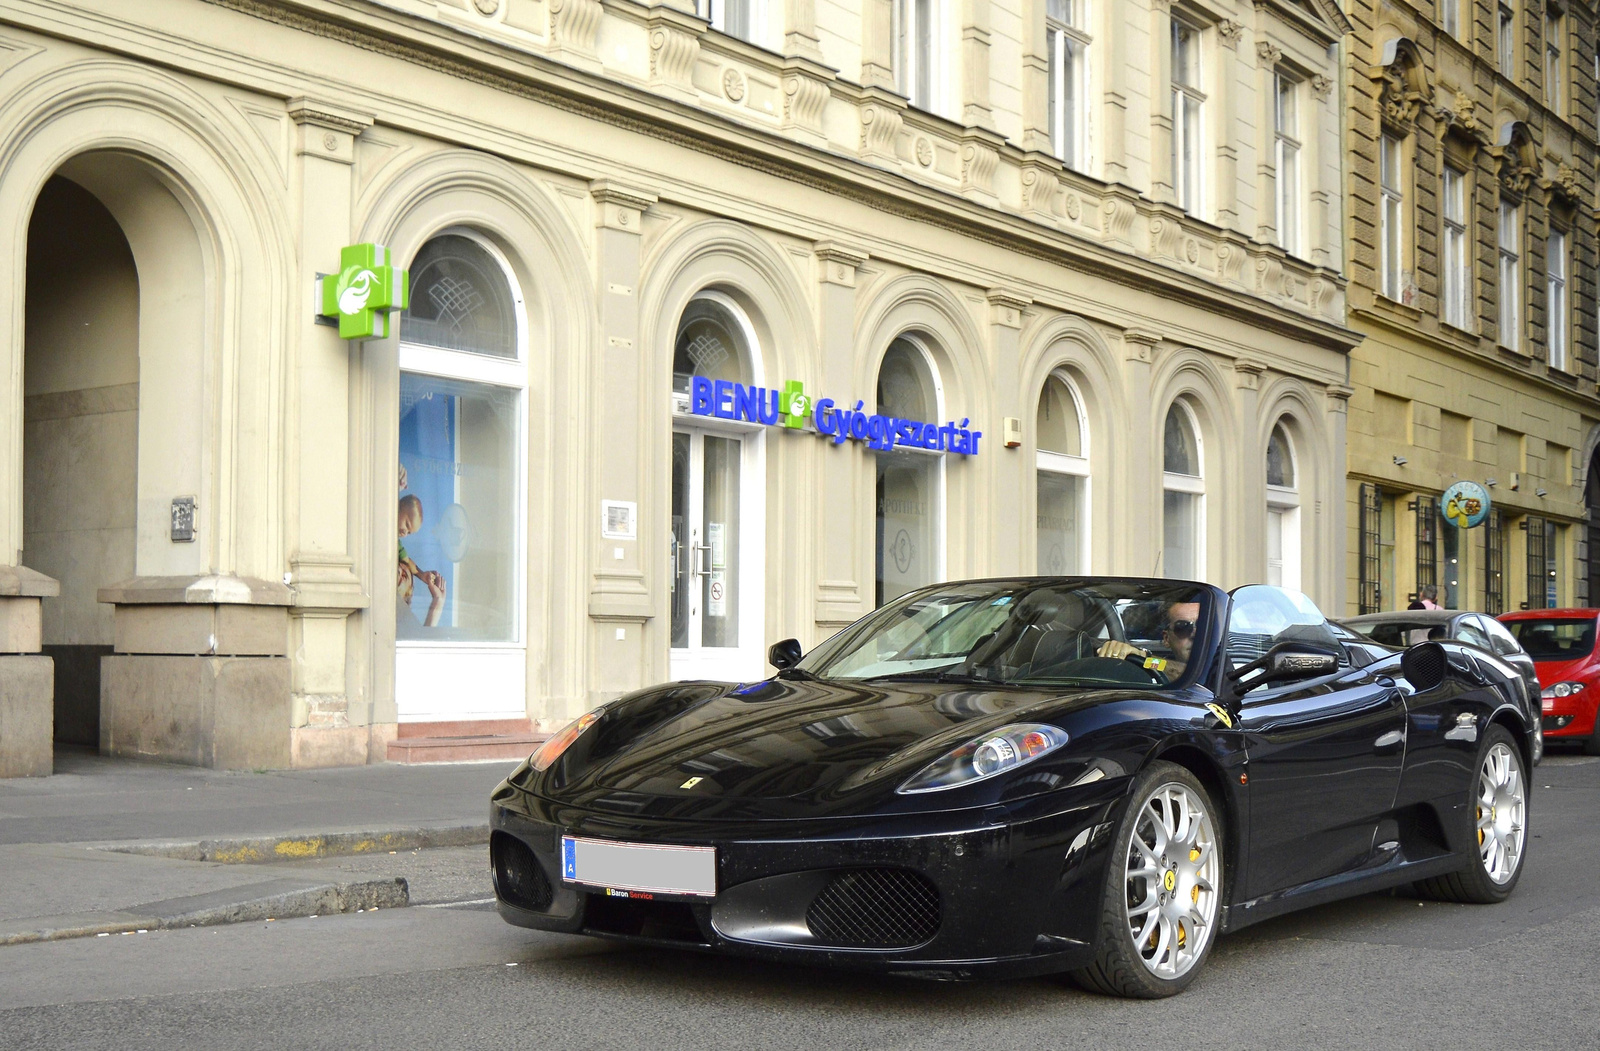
(640, 868)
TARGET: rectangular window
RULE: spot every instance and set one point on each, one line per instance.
(1494, 560)
(1510, 275)
(1541, 577)
(1455, 276)
(1450, 17)
(1556, 297)
(1188, 110)
(1068, 48)
(914, 52)
(1370, 596)
(1555, 27)
(1427, 513)
(740, 18)
(1505, 41)
(1390, 217)
(1287, 123)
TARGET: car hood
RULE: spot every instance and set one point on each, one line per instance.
(793, 746)
(1551, 672)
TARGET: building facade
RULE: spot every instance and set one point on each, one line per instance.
(724, 326)
(1471, 187)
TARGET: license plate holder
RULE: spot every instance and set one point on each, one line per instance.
(648, 871)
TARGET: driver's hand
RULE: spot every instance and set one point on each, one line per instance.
(1119, 650)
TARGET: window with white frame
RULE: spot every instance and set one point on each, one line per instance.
(1062, 513)
(1283, 512)
(915, 51)
(1455, 269)
(1188, 116)
(1391, 216)
(1555, 27)
(1286, 121)
(1067, 44)
(1556, 298)
(1183, 497)
(1505, 40)
(1510, 229)
(739, 18)
(910, 480)
(1450, 17)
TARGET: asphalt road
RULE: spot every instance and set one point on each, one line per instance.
(1383, 971)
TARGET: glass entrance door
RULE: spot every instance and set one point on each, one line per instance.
(709, 623)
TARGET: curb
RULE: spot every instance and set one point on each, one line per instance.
(252, 849)
(273, 900)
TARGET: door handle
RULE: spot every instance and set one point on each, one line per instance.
(702, 559)
(1389, 740)
(1385, 681)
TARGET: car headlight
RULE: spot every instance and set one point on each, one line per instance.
(988, 756)
(1562, 689)
(551, 750)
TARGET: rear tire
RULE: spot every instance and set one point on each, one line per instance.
(1165, 877)
(1497, 800)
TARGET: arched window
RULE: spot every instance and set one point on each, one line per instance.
(909, 508)
(1283, 512)
(1062, 480)
(462, 519)
(1183, 496)
(716, 501)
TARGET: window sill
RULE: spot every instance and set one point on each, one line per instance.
(1560, 375)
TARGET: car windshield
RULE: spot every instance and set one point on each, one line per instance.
(1403, 633)
(1075, 631)
(1554, 640)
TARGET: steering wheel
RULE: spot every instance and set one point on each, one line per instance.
(1158, 677)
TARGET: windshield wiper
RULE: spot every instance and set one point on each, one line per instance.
(927, 675)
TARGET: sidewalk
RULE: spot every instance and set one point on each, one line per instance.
(111, 845)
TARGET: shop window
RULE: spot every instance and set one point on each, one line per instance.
(1283, 512)
(1542, 563)
(1426, 512)
(1188, 116)
(1494, 562)
(1183, 497)
(715, 501)
(1370, 582)
(460, 300)
(462, 521)
(1067, 45)
(1449, 563)
(916, 51)
(1062, 480)
(909, 481)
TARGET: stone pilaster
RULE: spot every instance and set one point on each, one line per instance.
(844, 581)
(27, 678)
(1133, 548)
(1010, 478)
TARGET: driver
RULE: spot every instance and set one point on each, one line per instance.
(1182, 620)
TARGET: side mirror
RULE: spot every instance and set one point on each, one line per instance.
(785, 654)
(1285, 662)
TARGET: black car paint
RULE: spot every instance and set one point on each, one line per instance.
(1318, 799)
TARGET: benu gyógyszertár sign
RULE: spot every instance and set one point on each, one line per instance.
(364, 292)
(791, 407)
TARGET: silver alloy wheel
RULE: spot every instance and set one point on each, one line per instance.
(1172, 869)
(1502, 808)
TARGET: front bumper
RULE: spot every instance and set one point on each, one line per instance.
(1568, 717)
(1017, 887)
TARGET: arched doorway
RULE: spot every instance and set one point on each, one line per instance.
(80, 434)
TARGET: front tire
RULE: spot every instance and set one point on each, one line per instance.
(1497, 801)
(1162, 900)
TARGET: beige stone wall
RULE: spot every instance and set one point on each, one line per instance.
(622, 159)
(1453, 402)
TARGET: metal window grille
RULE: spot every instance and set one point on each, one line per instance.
(1538, 559)
(1494, 539)
(1427, 543)
(1370, 597)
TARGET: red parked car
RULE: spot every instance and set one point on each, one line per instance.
(1561, 643)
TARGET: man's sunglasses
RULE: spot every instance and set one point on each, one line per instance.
(1182, 629)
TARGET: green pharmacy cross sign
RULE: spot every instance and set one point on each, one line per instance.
(364, 292)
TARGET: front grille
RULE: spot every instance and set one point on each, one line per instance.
(875, 909)
(672, 921)
(519, 879)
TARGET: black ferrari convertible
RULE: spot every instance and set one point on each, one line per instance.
(1094, 776)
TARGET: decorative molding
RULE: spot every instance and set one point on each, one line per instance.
(574, 24)
(1229, 31)
(303, 110)
(1006, 307)
(881, 121)
(733, 84)
(621, 207)
(1140, 344)
(980, 152)
(839, 262)
(486, 7)
(674, 48)
(1268, 53)
(1321, 85)
(805, 95)
(1041, 182)
(1247, 373)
